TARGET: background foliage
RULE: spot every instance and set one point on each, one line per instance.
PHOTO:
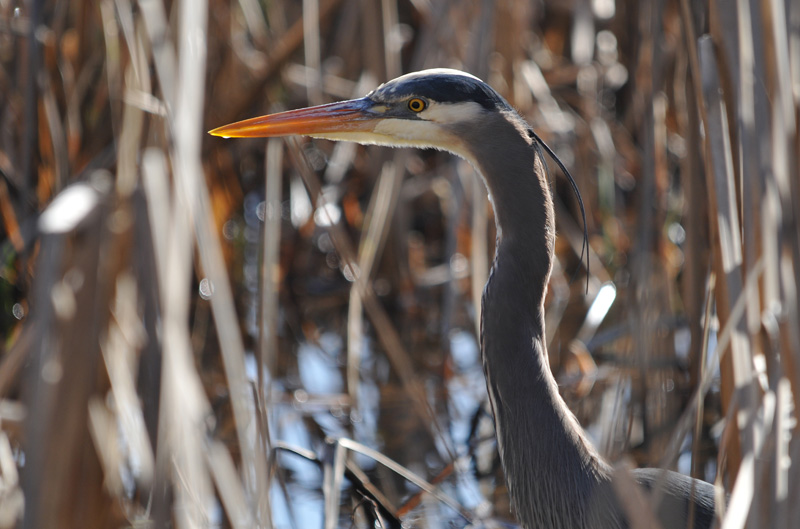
(199, 332)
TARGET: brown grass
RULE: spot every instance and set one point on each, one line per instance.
(201, 332)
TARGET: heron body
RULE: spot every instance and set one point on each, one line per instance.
(556, 478)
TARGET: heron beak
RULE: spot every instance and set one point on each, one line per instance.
(334, 118)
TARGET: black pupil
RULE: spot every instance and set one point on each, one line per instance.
(416, 104)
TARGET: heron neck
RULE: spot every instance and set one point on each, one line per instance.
(546, 457)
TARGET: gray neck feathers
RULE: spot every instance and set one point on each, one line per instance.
(553, 472)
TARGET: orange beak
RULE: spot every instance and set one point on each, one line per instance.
(347, 116)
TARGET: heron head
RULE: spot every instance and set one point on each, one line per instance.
(427, 109)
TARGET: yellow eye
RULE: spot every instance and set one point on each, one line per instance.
(417, 105)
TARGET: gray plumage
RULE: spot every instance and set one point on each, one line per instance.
(556, 478)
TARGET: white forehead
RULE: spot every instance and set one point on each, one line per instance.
(435, 71)
(390, 88)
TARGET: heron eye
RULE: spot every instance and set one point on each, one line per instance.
(417, 105)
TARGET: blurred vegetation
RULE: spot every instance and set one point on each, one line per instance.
(199, 332)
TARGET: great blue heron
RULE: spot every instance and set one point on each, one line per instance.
(555, 476)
